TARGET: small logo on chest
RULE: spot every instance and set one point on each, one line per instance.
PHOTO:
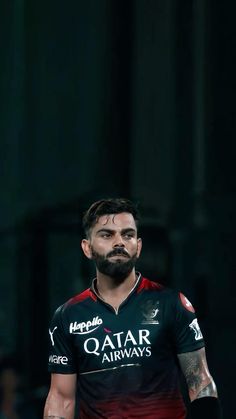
(85, 327)
(149, 312)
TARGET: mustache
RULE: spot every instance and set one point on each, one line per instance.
(119, 251)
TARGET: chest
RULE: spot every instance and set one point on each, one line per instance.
(137, 333)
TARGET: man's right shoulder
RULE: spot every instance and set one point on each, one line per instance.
(79, 298)
(75, 301)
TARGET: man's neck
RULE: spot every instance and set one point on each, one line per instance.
(112, 291)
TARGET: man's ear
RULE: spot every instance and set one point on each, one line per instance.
(85, 244)
(139, 247)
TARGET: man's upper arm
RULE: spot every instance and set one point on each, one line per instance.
(195, 369)
(60, 403)
(64, 385)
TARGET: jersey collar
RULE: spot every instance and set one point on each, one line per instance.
(93, 287)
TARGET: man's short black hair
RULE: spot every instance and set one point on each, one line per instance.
(108, 206)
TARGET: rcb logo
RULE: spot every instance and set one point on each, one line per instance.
(149, 312)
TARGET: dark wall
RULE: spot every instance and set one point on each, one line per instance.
(117, 98)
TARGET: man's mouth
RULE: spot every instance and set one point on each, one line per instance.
(118, 254)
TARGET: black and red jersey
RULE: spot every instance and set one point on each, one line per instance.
(125, 360)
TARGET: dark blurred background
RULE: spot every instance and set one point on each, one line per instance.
(103, 98)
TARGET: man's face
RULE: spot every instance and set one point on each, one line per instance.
(113, 245)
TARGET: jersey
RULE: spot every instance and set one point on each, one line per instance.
(125, 359)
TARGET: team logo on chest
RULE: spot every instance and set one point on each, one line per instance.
(149, 311)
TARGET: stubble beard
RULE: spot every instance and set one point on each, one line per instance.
(118, 269)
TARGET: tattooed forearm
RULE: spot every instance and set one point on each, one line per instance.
(191, 369)
(198, 378)
(208, 391)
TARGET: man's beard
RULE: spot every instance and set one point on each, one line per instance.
(119, 269)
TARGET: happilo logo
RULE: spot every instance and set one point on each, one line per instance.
(85, 327)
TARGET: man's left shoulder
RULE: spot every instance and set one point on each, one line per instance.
(149, 285)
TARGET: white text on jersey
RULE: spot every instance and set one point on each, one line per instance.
(85, 327)
(122, 345)
(57, 359)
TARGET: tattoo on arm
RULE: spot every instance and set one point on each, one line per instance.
(208, 391)
(198, 378)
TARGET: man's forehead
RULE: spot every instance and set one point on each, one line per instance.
(122, 220)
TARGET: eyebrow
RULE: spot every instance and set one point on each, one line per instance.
(110, 230)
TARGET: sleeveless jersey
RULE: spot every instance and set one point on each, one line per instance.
(125, 360)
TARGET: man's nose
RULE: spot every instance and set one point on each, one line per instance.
(118, 241)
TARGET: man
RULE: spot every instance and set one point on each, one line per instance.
(123, 341)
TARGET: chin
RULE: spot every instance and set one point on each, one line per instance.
(118, 262)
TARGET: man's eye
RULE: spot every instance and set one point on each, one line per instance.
(105, 235)
(128, 236)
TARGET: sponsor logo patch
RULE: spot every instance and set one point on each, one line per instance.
(195, 327)
(85, 327)
(119, 346)
(51, 335)
(57, 359)
(186, 303)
